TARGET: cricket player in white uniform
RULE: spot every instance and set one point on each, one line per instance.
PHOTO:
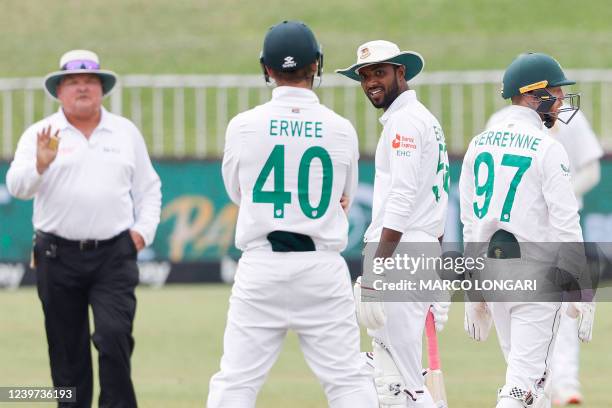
(584, 152)
(410, 201)
(515, 181)
(287, 164)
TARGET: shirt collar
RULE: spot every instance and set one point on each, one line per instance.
(298, 94)
(402, 100)
(525, 114)
(63, 124)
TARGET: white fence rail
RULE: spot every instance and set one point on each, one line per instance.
(186, 115)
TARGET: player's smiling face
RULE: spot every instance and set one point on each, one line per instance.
(80, 94)
(382, 83)
(557, 92)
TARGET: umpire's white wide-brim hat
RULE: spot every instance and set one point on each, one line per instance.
(80, 62)
(384, 52)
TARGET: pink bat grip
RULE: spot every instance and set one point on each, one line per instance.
(433, 354)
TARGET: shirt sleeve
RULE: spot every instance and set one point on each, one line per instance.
(563, 213)
(585, 178)
(466, 196)
(352, 175)
(146, 192)
(22, 178)
(231, 159)
(559, 195)
(405, 143)
(585, 147)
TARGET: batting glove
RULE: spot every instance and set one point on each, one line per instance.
(585, 313)
(477, 321)
(370, 311)
(440, 313)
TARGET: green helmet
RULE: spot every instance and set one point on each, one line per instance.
(532, 71)
(290, 45)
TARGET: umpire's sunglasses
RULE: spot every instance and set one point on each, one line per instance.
(80, 64)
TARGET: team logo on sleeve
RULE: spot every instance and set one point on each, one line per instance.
(566, 170)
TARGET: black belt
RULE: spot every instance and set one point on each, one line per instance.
(82, 245)
(285, 241)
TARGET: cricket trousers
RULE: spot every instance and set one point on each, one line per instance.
(566, 358)
(526, 333)
(526, 329)
(309, 293)
(70, 277)
(402, 334)
(403, 331)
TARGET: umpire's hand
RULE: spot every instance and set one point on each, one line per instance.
(46, 149)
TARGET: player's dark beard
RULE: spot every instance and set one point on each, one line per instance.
(390, 95)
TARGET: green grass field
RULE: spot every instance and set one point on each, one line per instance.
(211, 37)
(204, 36)
(179, 332)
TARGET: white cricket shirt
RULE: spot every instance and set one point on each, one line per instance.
(516, 178)
(577, 137)
(412, 172)
(96, 187)
(286, 164)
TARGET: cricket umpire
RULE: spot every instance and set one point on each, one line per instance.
(97, 203)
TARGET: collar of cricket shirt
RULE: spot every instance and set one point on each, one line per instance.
(403, 99)
(105, 122)
(524, 113)
(292, 92)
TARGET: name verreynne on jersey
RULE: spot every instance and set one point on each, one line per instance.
(508, 139)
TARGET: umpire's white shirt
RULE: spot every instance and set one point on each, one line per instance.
(411, 164)
(295, 122)
(96, 187)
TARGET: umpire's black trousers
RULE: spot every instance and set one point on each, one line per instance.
(70, 276)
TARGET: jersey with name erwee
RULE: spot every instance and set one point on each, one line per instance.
(287, 163)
